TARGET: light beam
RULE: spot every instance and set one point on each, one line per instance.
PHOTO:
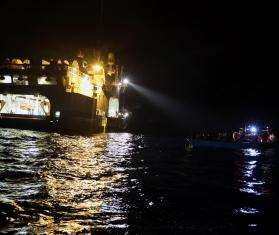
(182, 114)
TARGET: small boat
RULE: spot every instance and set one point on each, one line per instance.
(249, 137)
(198, 143)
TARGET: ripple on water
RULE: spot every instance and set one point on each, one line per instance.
(63, 183)
(51, 183)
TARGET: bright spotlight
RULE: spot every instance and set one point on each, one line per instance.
(97, 68)
(125, 81)
(254, 129)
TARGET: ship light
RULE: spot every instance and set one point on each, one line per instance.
(125, 115)
(254, 130)
(97, 68)
(125, 81)
(57, 114)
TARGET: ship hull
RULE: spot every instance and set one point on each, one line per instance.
(196, 143)
(117, 124)
(77, 113)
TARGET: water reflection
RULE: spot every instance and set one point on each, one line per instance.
(251, 152)
(250, 181)
(88, 182)
(20, 159)
(65, 183)
(252, 174)
(247, 210)
(139, 184)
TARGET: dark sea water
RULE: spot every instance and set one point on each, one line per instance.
(122, 183)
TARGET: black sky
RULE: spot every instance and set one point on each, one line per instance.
(215, 56)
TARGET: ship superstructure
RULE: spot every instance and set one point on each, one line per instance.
(73, 94)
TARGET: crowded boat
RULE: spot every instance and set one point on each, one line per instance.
(251, 136)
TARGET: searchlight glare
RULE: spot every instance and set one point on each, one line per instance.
(125, 81)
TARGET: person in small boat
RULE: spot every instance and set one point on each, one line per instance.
(235, 136)
(265, 136)
(272, 138)
(238, 135)
(203, 136)
(255, 139)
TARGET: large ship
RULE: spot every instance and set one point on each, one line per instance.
(64, 94)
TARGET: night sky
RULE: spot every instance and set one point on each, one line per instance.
(217, 58)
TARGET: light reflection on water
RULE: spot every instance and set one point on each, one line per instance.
(77, 184)
(251, 175)
(247, 210)
(124, 183)
(251, 152)
(249, 182)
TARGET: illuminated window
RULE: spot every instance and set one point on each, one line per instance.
(5, 79)
(47, 80)
(22, 80)
(85, 87)
(24, 105)
(113, 107)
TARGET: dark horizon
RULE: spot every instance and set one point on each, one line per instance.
(214, 57)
